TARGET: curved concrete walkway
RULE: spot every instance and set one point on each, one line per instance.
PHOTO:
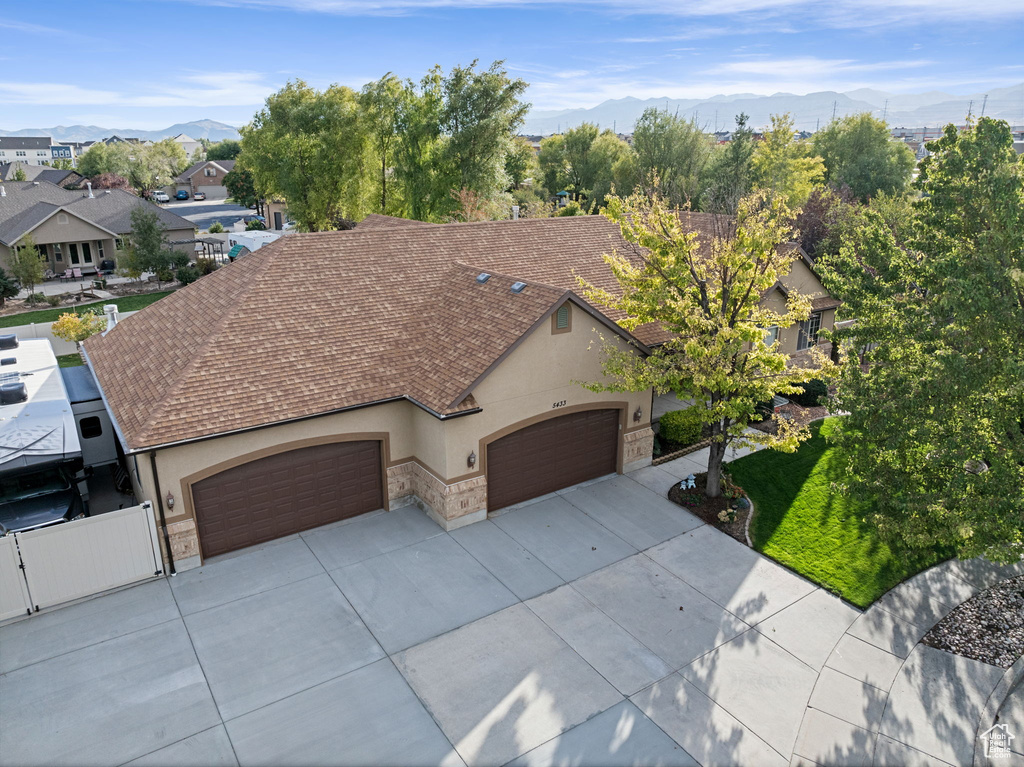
(884, 699)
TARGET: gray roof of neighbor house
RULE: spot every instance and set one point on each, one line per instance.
(25, 142)
(26, 204)
(56, 176)
(225, 165)
(400, 314)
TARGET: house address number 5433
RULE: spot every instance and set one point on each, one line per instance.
(558, 404)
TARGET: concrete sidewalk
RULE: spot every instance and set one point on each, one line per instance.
(602, 625)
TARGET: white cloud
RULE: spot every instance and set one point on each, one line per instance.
(206, 89)
(820, 68)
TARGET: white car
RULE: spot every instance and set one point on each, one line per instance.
(159, 196)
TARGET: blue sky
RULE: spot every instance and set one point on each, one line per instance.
(150, 63)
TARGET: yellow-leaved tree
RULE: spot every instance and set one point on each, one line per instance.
(707, 295)
(75, 328)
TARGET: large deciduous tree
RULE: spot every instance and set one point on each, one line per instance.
(26, 263)
(672, 152)
(583, 162)
(145, 249)
(310, 148)
(783, 165)
(145, 166)
(228, 149)
(707, 295)
(859, 152)
(935, 435)
(381, 101)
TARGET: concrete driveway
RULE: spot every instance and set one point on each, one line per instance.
(602, 625)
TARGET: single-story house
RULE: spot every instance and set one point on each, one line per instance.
(432, 364)
(67, 179)
(74, 229)
(207, 177)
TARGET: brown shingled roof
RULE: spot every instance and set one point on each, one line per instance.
(394, 314)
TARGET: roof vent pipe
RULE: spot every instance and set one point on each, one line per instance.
(89, 185)
(515, 212)
(3, 192)
(111, 311)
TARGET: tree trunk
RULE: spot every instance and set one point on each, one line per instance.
(713, 488)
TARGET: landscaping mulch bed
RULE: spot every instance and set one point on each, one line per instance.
(708, 509)
(792, 412)
(139, 288)
(67, 299)
(988, 627)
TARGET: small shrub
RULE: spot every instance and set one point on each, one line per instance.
(35, 298)
(727, 516)
(730, 489)
(678, 427)
(216, 228)
(814, 393)
(206, 266)
(188, 274)
(54, 300)
(164, 275)
(255, 224)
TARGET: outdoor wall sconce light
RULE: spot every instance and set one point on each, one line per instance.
(471, 461)
(638, 414)
(170, 500)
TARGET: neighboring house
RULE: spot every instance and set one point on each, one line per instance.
(75, 229)
(207, 177)
(189, 144)
(67, 179)
(30, 150)
(435, 364)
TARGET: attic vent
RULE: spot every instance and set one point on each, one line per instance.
(483, 277)
(11, 393)
(562, 317)
(9, 341)
(9, 361)
(62, 218)
(517, 287)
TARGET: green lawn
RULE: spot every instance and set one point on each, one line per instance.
(69, 360)
(126, 304)
(803, 524)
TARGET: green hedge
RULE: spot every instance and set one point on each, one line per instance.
(814, 393)
(678, 427)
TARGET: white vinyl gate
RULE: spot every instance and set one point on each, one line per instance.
(56, 564)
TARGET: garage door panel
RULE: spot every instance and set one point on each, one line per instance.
(287, 493)
(551, 455)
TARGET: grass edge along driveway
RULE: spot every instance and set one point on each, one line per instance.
(801, 523)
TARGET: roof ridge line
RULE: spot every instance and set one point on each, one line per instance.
(182, 378)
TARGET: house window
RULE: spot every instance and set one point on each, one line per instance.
(57, 254)
(43, 255)
(99, 248)
(771, 335)
(40, 154)
(809, 331)
(20, 153)
(90, 427)
(210, 171)
(118, 244)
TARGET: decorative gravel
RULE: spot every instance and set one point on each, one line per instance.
(989, 627)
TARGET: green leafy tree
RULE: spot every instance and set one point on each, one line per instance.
(228, 149)
(145, 166)
(479, 117)
(19, 173)
(418, 153)
(859, 152)
(785, 166)
(310, 148)
(935, 436)
(380, 102)
(26, 263)
(62, 163)
(583, 162)
(828, 216)
(708, 296)
(241, 188)
(8, 289)
(95, 160)
(520, 163)
(672, 152)
(730, 176)
(146, 250)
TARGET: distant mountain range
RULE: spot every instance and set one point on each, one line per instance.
(208, 129)
(810, 111)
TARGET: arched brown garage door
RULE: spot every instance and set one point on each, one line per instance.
(286, 493)
(550, 455)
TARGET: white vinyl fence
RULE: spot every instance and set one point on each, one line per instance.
(68, 561)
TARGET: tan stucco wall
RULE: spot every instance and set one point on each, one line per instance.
(75, 230)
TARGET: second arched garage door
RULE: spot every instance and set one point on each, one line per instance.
(550, 455)
(287, 493)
